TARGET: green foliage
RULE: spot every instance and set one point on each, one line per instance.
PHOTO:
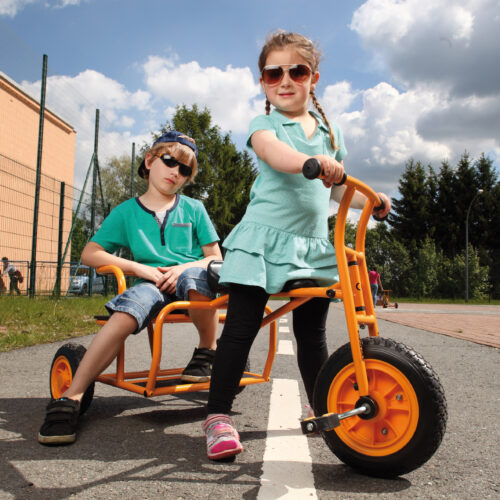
(435, 206)
(116, 177)
(79, 237)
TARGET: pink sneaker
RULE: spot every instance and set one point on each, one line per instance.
(222, 438)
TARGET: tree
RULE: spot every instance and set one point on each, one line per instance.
(410, 218)
(116, 180)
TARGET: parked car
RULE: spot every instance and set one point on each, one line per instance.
(79, 281)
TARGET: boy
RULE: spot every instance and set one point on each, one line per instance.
(172, 240)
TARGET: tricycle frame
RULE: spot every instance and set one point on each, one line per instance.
(353, 289)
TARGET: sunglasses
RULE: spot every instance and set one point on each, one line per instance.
(299, 73)
(171, 162)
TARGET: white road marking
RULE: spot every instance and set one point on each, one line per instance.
(283, 329)
(285, 347)
(287, 467)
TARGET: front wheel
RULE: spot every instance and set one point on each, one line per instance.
(63, 369)
(411, 408)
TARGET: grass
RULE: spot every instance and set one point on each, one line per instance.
(25, 322)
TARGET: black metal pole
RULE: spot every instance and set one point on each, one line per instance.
(57, 290)
(132, 171)
(37, 181)
(94, 185)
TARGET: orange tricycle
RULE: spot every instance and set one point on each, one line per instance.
(383, 299)
(382, 408)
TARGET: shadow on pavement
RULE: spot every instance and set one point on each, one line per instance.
(127, 441)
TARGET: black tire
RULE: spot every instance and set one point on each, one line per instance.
(84, 290)
(63, 369)
(414, 438)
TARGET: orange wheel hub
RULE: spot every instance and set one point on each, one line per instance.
(61, 376)
(397, 417)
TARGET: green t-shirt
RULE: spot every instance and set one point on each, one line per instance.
(185, 229)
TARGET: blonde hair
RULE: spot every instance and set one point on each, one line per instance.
(179, 151)
(306, 49)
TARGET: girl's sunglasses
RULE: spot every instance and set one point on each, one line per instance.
(171, 162)
(299, 73)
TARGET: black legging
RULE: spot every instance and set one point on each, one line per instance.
(244, 316)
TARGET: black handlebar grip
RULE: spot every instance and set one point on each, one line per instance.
(342, 181)
(311, 168)
(378, 209)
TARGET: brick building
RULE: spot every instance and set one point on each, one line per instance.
(19, 123)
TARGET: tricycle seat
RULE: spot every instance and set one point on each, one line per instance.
(214, 267)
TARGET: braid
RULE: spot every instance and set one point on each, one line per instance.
(268, 106)
(317, 105)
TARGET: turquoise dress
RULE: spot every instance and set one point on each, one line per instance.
(284, 232)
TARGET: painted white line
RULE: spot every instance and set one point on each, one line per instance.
(283, 320)
(285, 347)
(283, 329)
(287, 467)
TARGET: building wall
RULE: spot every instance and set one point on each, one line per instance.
(19, 123)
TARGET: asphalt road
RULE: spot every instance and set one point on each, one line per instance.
(129, 447)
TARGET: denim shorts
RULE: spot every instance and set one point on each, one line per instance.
(144, 301)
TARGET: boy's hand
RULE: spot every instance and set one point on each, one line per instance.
(168, 280)
(333, 170)
(147, 272)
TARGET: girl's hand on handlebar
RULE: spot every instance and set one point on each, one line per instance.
(332, 170)
(387, 206)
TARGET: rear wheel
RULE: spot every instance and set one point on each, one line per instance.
(63, 369)
(411, 415)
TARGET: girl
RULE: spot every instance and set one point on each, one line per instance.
(284, 232)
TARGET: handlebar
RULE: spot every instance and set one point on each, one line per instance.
(312, 170)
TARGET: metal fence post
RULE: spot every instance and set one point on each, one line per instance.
(132, 173)
(94, 185)
(37, 182)
(57, 288)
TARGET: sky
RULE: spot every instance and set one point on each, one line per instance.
(403, 78)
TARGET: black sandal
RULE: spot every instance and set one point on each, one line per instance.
(61, 420)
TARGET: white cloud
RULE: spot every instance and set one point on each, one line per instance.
(443, 56)
(12, 7)
(229, 93)
(382, 135)
(75, 99)
(435, 43)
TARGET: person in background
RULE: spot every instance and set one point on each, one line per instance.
(14, 275)
(374, 278)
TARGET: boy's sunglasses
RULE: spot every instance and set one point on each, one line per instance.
(299, 73)
(171, 162)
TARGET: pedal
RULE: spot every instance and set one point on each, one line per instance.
(325, 423)
(329, 421)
